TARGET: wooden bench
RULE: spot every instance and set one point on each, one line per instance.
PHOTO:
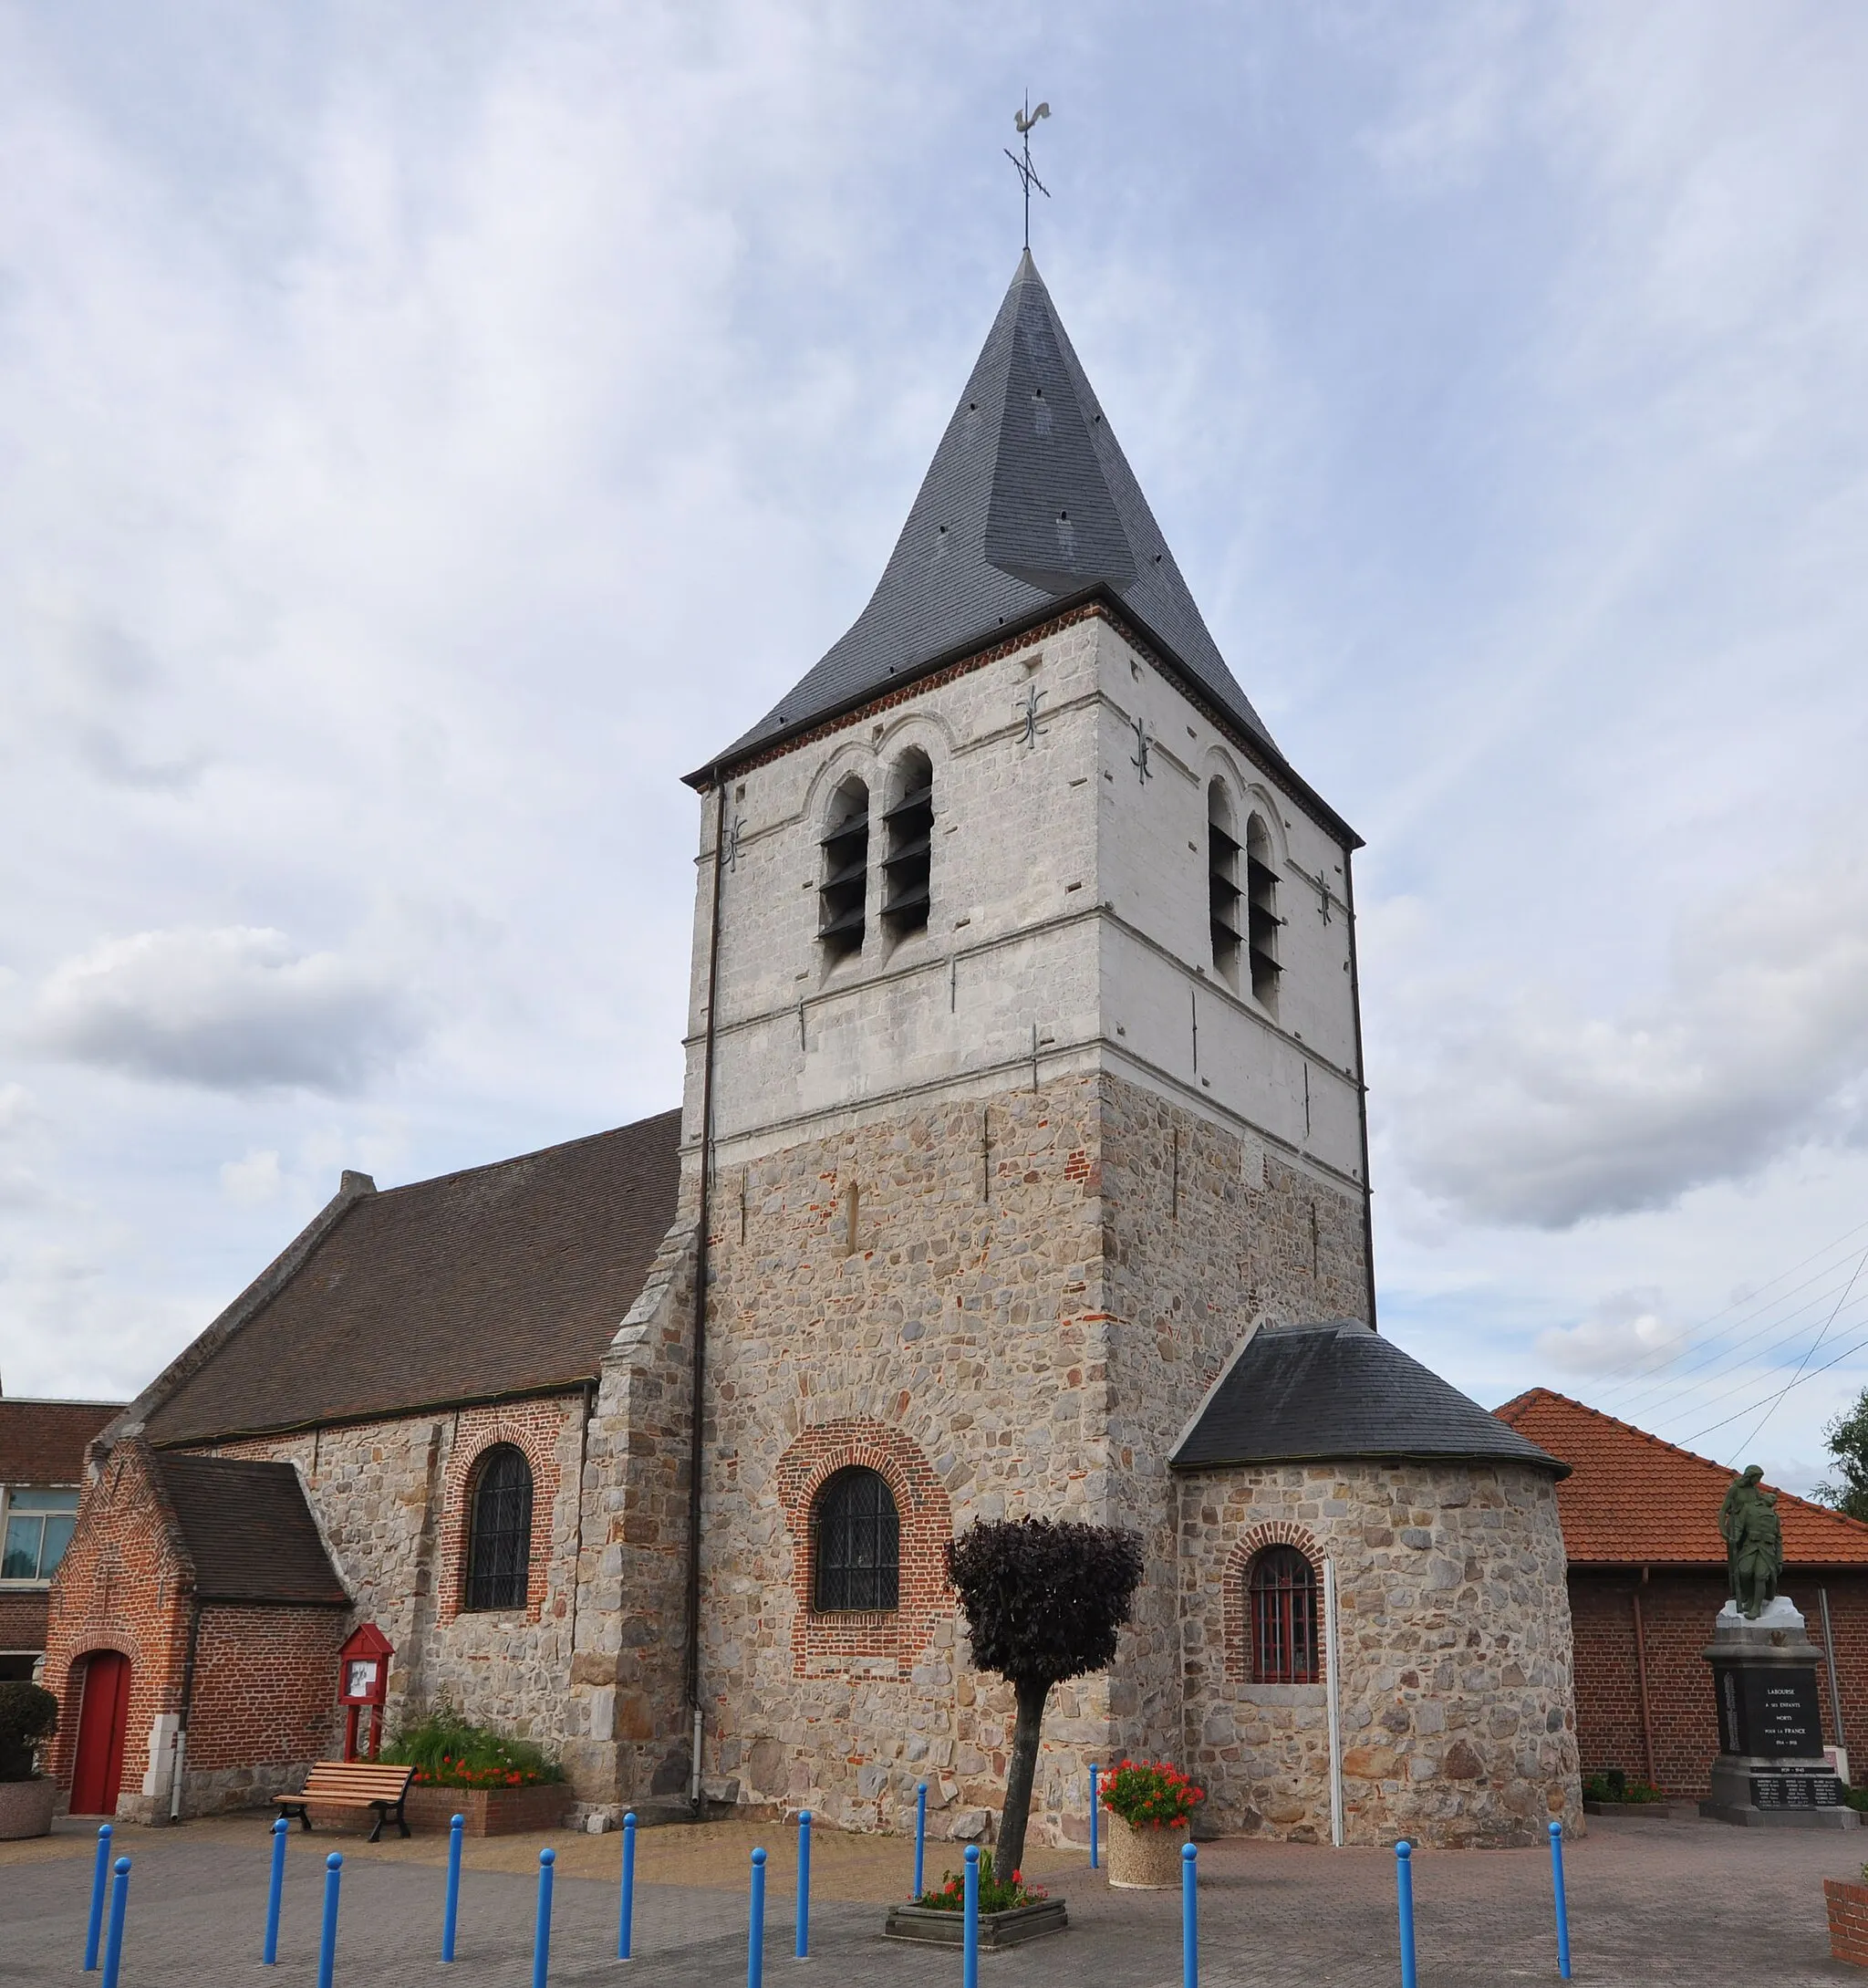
(353, 1784)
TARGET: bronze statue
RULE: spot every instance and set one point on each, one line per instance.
(1754, 1538)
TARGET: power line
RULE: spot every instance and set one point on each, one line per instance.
(1659, 1366)
(1793, 1381)
(1834, 1361)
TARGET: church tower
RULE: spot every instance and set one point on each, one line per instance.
(1024, 1056)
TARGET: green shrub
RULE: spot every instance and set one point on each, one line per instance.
(446, 1750)
(1611, 1784)
(27, 1716)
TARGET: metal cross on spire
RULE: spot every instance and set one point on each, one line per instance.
(1022, 121)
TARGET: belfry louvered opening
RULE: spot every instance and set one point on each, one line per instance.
(843, 893)
(1223, 883)
(907, 865)
(1261, 913)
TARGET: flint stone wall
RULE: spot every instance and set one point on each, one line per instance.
(1456, 1668)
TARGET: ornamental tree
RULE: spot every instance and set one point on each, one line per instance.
(1043, 1600)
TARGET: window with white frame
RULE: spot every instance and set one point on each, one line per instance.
(36, 1522)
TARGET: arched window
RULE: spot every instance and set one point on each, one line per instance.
(842, 896)
(499, 1534)
(909, 823)
(1261, 912)
(1222, 881)
(858, 1543)
(1283, 1618)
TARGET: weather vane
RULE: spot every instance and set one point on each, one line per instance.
(1023, 121)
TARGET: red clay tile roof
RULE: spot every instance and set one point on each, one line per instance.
(43, 1442)
(1633, 1500)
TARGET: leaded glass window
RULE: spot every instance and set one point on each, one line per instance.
(858, 1544)
(499, 1547)
(1283, 1618)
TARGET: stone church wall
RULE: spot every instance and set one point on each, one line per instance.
(922, 1295)
(1031, 1305)
(1458, 1718)
(391, 1498)
(1207, 1231)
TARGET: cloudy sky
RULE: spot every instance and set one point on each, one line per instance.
(425, 433)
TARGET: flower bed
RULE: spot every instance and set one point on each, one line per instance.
(499, 1785)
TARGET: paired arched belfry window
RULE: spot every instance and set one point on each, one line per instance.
(499, 1530)
(857, 1537)
(1282, 1589)
(907, 832)
(1222, 882)
(843, 893)
(1261, 913)
(909, 861)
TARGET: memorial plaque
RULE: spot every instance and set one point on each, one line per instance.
(1769, 1713)
(1796, 1791)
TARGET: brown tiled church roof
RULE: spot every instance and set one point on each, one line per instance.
(505, 1279)
(43, 1442)
(1631, 1499)
(249, 1532)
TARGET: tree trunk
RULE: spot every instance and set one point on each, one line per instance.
(1019, 1774)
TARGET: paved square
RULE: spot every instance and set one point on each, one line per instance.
(1649, 1902)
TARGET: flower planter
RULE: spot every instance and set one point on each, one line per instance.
(25, 1807)
(1010, 1929)
(490, 1812)
(1847, 1900)
(1145, 1859)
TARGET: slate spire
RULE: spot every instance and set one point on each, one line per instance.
(1029, 501)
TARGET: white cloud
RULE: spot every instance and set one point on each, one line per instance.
(233, 1008)
(253, 1179)
(1528, 1112)
(16, 1108)
(1627, 1332)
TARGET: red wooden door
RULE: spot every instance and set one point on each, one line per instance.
(101, 1724)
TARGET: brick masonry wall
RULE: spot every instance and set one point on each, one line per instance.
(1677, 1612)
(121, 1586)
(1454, 1659)
(263, 1704)
(22, 1619)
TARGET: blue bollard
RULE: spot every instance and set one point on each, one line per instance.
(803, 1949)
(921, 1833)
(626, 1921)
(541, 1937)
(119, 1905)
(1403, 1899)
(970, 1929)
(328, 1938)
(275, 1891)
(1189, 1918)
(755, 1924)
(100, 1877)
(450, 1911)
(1562, 1903)
(1095, 1860)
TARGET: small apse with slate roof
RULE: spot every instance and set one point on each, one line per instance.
(1022, 1167)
